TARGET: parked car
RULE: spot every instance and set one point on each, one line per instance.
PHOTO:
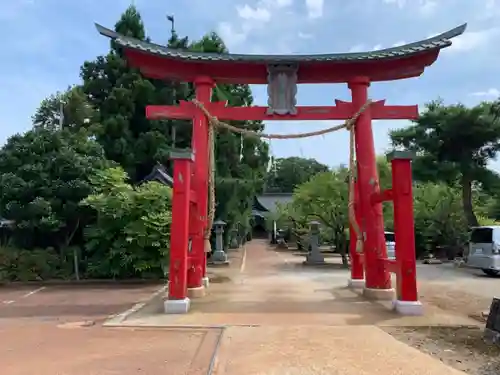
(390, 244)
(484, 249)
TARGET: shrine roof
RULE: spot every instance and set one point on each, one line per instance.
(268, 202)
(160, 175)
(434, 43)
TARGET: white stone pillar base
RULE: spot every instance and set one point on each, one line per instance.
(206, 282)
(177, 306)
(414, 308)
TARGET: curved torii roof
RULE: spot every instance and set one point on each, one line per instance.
(404, 61)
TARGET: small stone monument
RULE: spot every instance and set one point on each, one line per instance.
(219, 257)
(280, 239)
(314, 257)
(234, 242)
(492, 329)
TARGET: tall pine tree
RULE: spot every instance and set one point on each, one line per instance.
(120, 94)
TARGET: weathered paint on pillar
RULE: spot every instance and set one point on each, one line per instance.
(197, 269)
(177, 289)
(357, 272)
(372, 222)
(404, 226)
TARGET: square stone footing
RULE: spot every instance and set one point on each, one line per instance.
(198, 292)
(314, 263)
(356, 283)
(491, 337)
(206, 282)
(219, 263)
(177, 306)
(379, 294)
(408, 307)
(219, 256)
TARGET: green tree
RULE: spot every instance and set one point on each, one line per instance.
(69, 109)
(439, 219)
(453, 142)
(120, 94)
(288, 173)
(325, 198)
(44, 174)
(131, 236)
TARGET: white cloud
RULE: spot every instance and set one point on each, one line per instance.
(491, 93)
(249, 18)
(428, 7)
(314, 8)
(279, 3)
(304, 35)
(357, 48)
(423, 7)
(398, 3)
(472, 40)
(492, 4)
(377, 47)
(230, 36)
(248, 13)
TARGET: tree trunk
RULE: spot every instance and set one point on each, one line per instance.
(341, 244)
(467, 201)
(343, 254)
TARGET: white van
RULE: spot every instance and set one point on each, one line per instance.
(484, 249)
(390, 244)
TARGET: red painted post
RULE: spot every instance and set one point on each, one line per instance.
(377, 279)
(357, 274)
(197, 269)
(177, 289)
(404, 232)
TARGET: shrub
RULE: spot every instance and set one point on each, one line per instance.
(131, 236)
(29, 265)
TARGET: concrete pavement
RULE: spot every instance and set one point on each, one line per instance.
(281, 318)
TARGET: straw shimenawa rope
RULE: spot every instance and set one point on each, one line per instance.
(214, 123)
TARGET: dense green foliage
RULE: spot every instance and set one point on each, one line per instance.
(72, 185)
(286, 174)
(44, 174)
(133, 225)
(440, 224)
(454, 144)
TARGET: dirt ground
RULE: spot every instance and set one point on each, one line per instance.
(57, 330)
(42, 348)
(460, 347)
(59, 327)
(70, 302)
(457, 301)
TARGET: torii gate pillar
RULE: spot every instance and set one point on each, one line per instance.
(377, 277)
(197, 278)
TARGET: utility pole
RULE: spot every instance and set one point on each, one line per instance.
(61, 114)
(172, 22)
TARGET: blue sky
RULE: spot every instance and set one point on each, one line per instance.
(46, 41)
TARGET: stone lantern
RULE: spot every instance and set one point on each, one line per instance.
(234, 242)
(314, 256)
(219, 256)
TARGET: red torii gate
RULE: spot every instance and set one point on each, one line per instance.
(282, 73)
